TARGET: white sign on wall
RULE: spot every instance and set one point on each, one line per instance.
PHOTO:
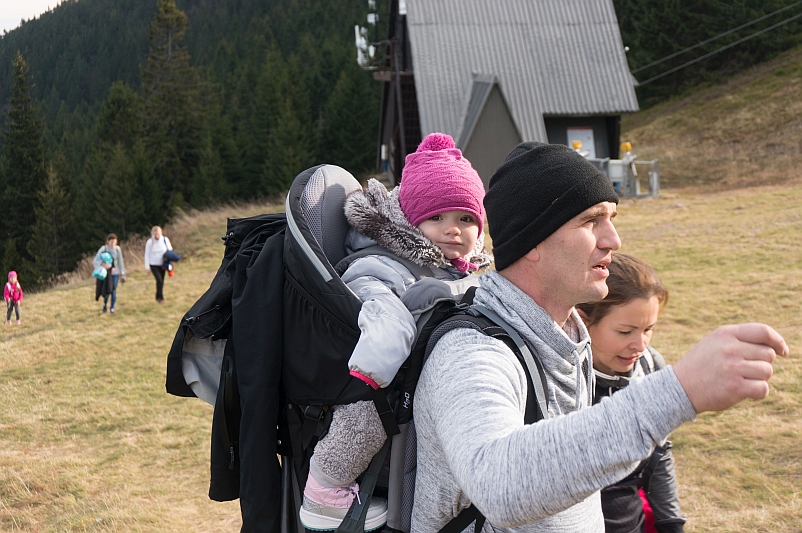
(585, 136)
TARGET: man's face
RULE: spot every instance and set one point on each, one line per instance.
(572, 261)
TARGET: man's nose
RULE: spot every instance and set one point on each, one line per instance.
(609, 239)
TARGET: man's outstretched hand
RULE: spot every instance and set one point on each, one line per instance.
(729, 365)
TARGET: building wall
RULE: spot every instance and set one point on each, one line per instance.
(493, 137)
(604, 132)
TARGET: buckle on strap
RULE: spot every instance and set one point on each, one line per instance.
(314, 413)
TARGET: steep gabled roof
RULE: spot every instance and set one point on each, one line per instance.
(550, 57)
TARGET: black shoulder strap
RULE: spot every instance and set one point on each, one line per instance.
(489, 323)
(418, 271)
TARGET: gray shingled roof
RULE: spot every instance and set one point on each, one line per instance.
(552, 57)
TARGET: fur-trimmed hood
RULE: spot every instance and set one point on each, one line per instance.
(376, 214)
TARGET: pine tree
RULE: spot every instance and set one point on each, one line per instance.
(51, 246)
(350, 121)
(171, 117)
(11, 258)
(24, 157)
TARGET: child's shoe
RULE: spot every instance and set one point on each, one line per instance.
(111, 310)
(170, 270)
(324, 507)
(18, 322)
(104, 308)
(8, 322)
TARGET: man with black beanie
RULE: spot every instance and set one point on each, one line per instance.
(550, 217)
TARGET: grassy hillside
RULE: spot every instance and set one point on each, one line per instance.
(744, 132)
(89, 440)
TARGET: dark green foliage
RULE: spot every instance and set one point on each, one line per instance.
(349, 124)
(149, 108)
(52, 244)
(655, 29)
(13, 261)
(24, 159)
(171, 115)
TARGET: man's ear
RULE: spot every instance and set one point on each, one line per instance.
(533, 255)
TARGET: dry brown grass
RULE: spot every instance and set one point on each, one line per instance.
(89, 440)
(747, 131)
(731, 257)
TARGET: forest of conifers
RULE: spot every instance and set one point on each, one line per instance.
(117, 112)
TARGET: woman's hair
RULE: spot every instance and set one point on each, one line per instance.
(154, 228)
(111, 236)
(630, 278)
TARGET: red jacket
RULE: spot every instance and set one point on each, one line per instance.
(12, 293)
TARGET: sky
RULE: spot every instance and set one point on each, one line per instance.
(12, 11)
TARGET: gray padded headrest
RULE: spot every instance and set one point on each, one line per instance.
(322, 203)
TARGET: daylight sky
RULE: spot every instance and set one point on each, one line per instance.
(12, 11)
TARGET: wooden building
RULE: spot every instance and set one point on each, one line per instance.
(493, 73)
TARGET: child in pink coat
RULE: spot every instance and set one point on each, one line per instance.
(13, 296)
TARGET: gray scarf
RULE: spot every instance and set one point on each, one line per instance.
(568, 365)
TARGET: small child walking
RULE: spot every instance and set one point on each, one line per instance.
(13, 296)
(435, 219)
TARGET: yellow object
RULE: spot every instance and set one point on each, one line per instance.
(576, 145)
(626, 147)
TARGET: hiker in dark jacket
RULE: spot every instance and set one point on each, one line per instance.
(550, 217)
(621, 327)
(435, 220)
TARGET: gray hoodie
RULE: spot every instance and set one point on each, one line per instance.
(473, 446)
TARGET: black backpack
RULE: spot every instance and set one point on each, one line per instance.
(268, 344)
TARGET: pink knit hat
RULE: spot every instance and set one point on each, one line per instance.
(437, 178)
(12, 274)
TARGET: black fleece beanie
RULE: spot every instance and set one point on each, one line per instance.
(538, 188)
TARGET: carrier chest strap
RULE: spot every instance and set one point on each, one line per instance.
(464, 519)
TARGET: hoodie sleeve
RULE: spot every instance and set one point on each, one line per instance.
(387, 328)
(96, 260)
(121, 266)
(518, 474)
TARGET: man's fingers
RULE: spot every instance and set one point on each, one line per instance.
(756, 333)
(756, 370)
(755, 389)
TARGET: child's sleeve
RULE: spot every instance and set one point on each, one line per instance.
(387, 328)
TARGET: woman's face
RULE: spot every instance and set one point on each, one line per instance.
(157, 234)
(111, 243)
(619, 338)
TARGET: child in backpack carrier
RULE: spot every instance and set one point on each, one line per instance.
(434, 219)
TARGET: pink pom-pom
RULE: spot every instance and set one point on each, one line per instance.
(436, 141)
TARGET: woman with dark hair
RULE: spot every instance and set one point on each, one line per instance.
(620, 328)
(116, 267)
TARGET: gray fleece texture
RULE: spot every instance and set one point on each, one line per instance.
(473, 446)
(355, 436)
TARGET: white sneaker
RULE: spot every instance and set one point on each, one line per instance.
(324, 507)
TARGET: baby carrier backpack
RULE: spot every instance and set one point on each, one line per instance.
(268, 345)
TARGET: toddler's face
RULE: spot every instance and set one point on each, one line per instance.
(454, 232)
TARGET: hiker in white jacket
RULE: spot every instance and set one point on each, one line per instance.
(155, 248)
(550, 217)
